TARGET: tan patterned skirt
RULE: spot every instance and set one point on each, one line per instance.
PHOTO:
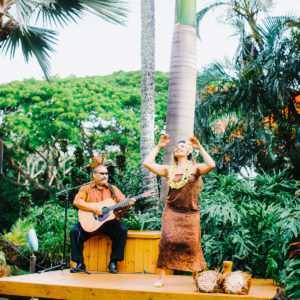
(180, 242)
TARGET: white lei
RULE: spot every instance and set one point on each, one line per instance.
(184, 180)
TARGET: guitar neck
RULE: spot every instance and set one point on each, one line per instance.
(124, 203)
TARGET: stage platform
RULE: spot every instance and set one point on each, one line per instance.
(105, 286)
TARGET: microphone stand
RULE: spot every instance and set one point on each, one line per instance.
(64, 264)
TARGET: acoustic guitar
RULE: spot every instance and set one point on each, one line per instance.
(91, 222)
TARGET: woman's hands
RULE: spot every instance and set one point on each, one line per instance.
(209, 164)
(149, 162)
(163, 141)
(195, 143)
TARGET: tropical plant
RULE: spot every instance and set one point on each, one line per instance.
(147, 90)
(18, 232)
(150, 220)
(130, 182)
(237, 13)
(48, 221)
(250, 222)
(291, 273)
(256, 104)
(17, 16)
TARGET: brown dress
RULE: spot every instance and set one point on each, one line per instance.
(180, 242)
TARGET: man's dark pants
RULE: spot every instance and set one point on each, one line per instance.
(115, 229)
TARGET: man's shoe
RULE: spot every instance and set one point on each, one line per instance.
(113, 267)
(80, 267)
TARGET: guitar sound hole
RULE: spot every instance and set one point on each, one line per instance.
(105, 210)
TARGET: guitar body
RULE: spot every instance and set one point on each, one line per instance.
(91, 222)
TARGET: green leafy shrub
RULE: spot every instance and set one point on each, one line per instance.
(250, 222)
(18, 232)
(130, 183)
(48, 222)
(143, 221)
(291, 278)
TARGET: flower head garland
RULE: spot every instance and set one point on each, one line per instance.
(99, 161)
(184, 180)
(189, 147)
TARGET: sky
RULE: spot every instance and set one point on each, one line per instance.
(95, 47)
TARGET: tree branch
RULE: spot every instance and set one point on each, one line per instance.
(33, 182)
(13, 182)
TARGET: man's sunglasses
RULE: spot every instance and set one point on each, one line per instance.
(101, 173)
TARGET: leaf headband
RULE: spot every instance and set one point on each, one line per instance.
(99, 161)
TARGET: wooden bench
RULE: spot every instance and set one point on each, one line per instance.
(141, 252)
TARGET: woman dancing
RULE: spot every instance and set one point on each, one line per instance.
(180, 243)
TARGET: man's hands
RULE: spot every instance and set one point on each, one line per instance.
(96, 209)
(148, 194)
(163, 141)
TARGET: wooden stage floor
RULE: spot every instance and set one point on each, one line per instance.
(64, 285)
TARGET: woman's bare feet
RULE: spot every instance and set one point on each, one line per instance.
(195, 275)
(159, 283)
(162, 279)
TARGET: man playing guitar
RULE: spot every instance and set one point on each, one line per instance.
(87, 200)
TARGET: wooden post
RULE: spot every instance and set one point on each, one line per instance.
(32, 264)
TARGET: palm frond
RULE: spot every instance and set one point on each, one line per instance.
(239, 26)
(215, 72)
(263, 4)
(200, 14)
(24, 9)
(60, 12)
(34, 42)
(274, 27)
(113, 11)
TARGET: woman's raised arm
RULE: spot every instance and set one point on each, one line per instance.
(202, 168)
(149, 162)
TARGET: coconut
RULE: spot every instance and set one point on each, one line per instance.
(237, 282)
(209, 282)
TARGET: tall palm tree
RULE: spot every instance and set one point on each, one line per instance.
(147, 90)
(182, 81)
(16, 17)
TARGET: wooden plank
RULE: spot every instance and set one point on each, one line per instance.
(93, 250)
(86, 254)
(65, 285)
(102, 253)
(143, 234)
(130, 255)
(139, 254)
(155, 251)
(150, 256)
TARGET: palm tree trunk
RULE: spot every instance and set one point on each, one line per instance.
(147, 90)
(182, 81)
